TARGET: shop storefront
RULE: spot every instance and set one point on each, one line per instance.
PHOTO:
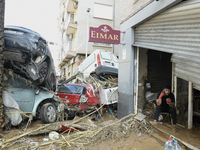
(171, 41)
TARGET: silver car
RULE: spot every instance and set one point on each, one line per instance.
(35, 101)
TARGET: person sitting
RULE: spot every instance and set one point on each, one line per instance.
(165, 103)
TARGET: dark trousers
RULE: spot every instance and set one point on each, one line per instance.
(170, 110)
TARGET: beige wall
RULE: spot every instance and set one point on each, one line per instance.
(71, 67)
(130, 7)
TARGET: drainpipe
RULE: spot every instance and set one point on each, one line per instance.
(87, 33)
(114, 22)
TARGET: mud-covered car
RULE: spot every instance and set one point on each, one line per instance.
(27, 53)
(34, 101)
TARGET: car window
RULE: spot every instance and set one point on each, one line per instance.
(105, 55)
(71, 89)
(88, 61)
(115, 59)
(17, 81)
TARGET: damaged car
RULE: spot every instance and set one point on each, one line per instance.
(99, 64)
(36, 102)
(28, 54)
(81, 98)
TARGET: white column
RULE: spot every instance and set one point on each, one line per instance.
(136, 99)
(190, 106)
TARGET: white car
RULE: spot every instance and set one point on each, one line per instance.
(99, 64)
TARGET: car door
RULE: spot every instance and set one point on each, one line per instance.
(20, 90)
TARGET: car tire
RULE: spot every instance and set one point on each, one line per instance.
(48, 113)
(43, 70)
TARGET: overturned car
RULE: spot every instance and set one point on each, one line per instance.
(27, 53)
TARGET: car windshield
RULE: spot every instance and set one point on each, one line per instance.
(16, 81)
(115, 59)
(71, 89)
(105, 55)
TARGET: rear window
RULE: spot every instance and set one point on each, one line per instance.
(115, 59)
(71, 89)
(105, 55)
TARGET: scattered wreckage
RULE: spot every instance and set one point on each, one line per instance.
(29, 78)
(85, 95)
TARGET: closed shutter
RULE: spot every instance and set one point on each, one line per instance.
(176, 31)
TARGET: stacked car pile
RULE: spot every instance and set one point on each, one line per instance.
(94, 84)
(30, 77)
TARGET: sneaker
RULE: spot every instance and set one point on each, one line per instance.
(174, 128)
(153, 123)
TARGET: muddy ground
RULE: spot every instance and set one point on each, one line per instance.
(133, 142)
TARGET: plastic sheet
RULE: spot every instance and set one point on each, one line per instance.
(10, 105)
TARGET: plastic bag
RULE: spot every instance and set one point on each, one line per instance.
(10, 105)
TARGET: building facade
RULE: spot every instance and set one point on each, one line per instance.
(161, 47)
(75, 18)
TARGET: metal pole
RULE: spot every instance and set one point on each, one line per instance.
(87, 32)
(190, 106)
(114, 22)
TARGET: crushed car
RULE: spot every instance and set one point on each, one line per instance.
(27, 53)
(81, 98)
(99, 64)
(35, 101)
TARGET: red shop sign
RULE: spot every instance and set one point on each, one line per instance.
(104, 34)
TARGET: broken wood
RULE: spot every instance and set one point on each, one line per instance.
(15, 138)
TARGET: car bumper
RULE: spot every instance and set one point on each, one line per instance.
(82, 108)
(106, 70)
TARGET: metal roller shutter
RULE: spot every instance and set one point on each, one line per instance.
(176, 31)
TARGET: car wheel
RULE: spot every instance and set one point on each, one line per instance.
(43, 72)
(48, 113)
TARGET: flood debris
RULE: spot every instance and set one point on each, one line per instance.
(86, 132)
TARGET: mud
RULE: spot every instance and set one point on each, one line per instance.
(144, 142)
(132, 142)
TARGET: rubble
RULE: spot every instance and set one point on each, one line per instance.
(86, 132)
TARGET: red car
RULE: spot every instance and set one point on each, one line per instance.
(81, 98)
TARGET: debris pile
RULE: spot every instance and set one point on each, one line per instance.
(80, 138)
(99, 84)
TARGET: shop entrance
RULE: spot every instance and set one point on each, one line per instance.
(154, 69)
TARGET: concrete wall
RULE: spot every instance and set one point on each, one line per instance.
(130, 7)
(126, 75)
